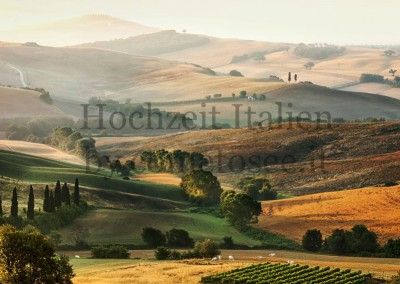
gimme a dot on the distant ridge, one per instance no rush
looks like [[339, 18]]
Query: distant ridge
[[77, 30]]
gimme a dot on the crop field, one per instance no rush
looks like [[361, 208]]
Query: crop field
[[276, 273]]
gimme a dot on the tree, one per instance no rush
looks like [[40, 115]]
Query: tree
[[202, 187], [130, 165], [227, 242], [240, 209], [243, 94], [30, 213], [257, 188], [1, 206], [364, 240], [289, 77], [392, 248], [65, 195], [52, 206], [76, 192], [295, 77], [46, 199], [207, 248], [263, 97], [235, 73], [29, 257], [57, 195], [179, 238], [259, 57], [153, 237], [312, 240], [392, 72], [389, 52], [309, 65], [14, 203], [340, 242]]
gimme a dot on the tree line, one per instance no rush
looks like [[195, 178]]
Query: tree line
[[357, 241], [176, 161]]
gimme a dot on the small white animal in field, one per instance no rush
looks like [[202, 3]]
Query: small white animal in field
[[260, 257], [77, 256], [272, 254], [290, 261], [214, 258], [231, 257], [219, 257]]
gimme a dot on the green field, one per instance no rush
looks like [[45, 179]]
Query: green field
[[30, 169], [108, 226]]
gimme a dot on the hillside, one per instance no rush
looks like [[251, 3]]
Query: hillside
[[376, 88], [76, 30], [199, 49], [80, 73], [377, 208], [24, 103], [354, 155], [40, 150]]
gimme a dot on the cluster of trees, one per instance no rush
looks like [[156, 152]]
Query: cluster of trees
[[318, 51], [376, 78], [359, 240], [34, 130], [204, 249], [201, 187], [176, 238], [62, 207], [240, 209], [114, 251], [51, 201], [29, 257], [243, 94], [257, 188], [68, 139], [61, 195], [176, 161], [122, 169], [258, 55], [235, 73], [44, 95]]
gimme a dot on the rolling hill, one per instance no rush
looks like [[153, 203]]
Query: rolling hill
[[300, 159], [80, 73], [377, 208], [76, 30], [24, 103], [199, 49]]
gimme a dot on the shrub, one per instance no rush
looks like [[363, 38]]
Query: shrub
[[179, 238], [116, 252], [162, 253], [312, 240], [365, 78], [207, 248], [153, 237], [235, 73]]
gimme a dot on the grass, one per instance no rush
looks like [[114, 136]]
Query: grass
[[108, 226], [32, 169], [376, 207], [191, 271]]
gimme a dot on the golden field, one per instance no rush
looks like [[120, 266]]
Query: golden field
[[376, 207]]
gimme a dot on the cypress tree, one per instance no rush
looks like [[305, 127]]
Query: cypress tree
[[30, 213], [52, 206], [65, 195], [1, 206], [14, 203], [76, 193], [57, 195], [46, 200]]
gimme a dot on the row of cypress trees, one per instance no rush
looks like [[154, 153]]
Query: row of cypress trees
[[52, 200]]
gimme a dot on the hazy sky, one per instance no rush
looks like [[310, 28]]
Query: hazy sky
[[336, 21]]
